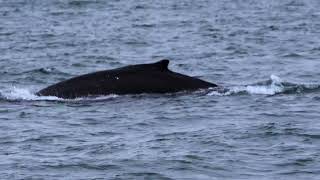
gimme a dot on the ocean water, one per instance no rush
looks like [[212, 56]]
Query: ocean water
[[263, 124]]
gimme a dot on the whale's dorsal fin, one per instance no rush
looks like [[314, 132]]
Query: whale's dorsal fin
[[162, 65]]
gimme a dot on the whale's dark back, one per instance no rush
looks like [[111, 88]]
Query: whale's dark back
[[133, 79]]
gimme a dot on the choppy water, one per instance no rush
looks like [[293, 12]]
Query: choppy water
[[265, 124]]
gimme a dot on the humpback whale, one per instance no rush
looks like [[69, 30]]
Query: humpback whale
[[132, 79]]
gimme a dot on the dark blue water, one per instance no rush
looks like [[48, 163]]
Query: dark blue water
[[265, 124]]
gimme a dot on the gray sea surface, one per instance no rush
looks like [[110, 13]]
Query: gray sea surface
[[264, 123]]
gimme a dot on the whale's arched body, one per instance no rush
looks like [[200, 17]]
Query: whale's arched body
[[132, 79]]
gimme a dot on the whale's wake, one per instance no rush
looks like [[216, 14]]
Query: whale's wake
[[272, 86], [16, 94]]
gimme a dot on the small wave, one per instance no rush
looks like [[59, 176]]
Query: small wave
[[81, 3], [275, 85], [292, 55], [42, 70], [45, 70]]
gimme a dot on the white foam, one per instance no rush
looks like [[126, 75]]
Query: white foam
[[96, 98], [274, 87], [15, 93]]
